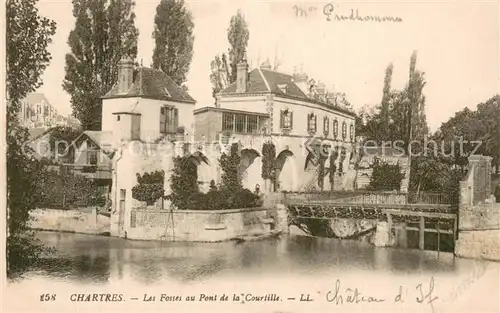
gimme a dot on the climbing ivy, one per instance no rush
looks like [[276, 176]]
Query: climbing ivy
[[229, 164], [183, 182], [268, 160]]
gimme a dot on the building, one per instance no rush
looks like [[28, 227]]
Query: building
[[37, 112], [297, 114], [145, 104]]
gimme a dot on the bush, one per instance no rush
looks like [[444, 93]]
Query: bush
[[149, 187], [497, 193], [386, 177]]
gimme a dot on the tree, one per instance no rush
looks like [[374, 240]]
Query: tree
[[220, 74], [386, 177], [229, 164], [27, 37], [183, 182], [104, 32], [149, 187], [238, 36], [173, 35], [386, 95]]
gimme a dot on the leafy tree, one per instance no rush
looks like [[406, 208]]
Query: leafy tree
[[220, 74], [104, 32], [224, 67], [229, 164], [27, 37], [183, 182], [173, 35], [238, 36], [385, 95], [386, 176], [149, 187]]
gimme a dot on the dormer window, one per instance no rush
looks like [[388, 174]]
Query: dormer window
[[282, 87], [335, 128], [326, 126], [286, 119], [311, 123]]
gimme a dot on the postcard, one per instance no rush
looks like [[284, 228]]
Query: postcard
[[250, 156]]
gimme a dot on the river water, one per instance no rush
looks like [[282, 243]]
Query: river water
[[284, 265]]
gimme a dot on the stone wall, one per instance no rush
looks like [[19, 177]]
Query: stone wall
[[479, 216], [206, 226], [86, 221]]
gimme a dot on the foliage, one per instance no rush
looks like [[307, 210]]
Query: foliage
[[173, 35], [229, 165], [27, 37], [333, 168], [386, 176], [224, 67], [183, 182], [481, 125], [104, 32], [149, 187], [223, 199], [497, 193], [62, 190], [238, 36], [220, 74], [391, 120], [268, 160]]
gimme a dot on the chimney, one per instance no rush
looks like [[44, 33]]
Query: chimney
[[300, 79], [242, 75], [266, 65], [125, 74], [320, 90]]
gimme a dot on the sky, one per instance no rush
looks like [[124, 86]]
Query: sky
[[457, 43]]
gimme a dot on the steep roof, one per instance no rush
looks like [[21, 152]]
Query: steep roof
[[35, 97], [103, 139], [153, 84], [263, 80]]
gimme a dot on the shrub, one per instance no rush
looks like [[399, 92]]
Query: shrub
[[497, 193], [183, 182], [386, 177], [149, 187]]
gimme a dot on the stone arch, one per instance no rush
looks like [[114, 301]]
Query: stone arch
[[286, 171], [250, 168]]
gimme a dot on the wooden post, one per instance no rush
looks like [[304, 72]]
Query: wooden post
[[421, 233], [438, 238], [389, 226]]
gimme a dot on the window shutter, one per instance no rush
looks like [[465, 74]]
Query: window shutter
[[291, 119], [315, 123], [176, 119], [282, 119]]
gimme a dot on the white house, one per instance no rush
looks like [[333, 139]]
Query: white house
[[146, 104], [294, 112]]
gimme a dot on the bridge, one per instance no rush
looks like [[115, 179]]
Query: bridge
[[424, 213]]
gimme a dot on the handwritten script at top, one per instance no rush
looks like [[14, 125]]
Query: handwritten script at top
[[332, 12]]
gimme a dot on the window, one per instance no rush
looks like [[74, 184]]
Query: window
[[335, 128], [253, 124], [92, 157], [351, 132], [136, 127], [344, 130], [282, 87], [240, 123], [118, 117], [227, 121], [326, 125], [286, 119], [169, 120], [311, 122]]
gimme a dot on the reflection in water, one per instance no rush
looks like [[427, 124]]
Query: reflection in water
[[95, 259]]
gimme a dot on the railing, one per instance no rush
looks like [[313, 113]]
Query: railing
[[374, 197]]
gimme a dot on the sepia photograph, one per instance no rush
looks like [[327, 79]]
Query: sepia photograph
[[250, 156]]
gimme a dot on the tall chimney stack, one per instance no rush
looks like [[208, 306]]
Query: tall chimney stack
[[125, 74], [242, 74]]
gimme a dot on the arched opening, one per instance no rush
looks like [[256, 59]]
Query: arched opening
[[286, 172], [250, 168]]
